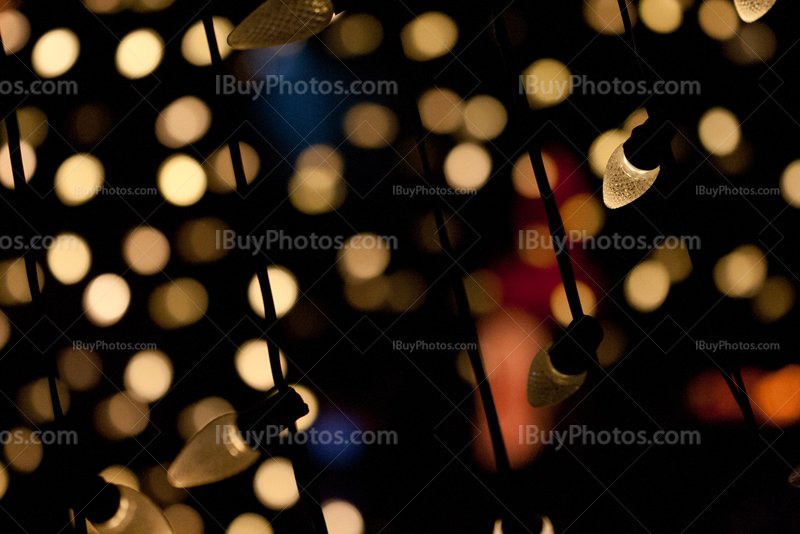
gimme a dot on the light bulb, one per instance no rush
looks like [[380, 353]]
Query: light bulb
[[218, 450], [547, 386], [215, 453], [623, 183], [136, 514], [750, 10], [280, 22]]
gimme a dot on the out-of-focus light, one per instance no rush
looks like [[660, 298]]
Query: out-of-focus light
[[285, 291], [34, 401], [440, 110], [121, 476], [583, 216], [120, 417], [741, 273], [250, 524], [14, 282], [428, 36], [5, 329], [647, 286], [3, 480], [637, 118], [774, 300], [28, 162], [603, 16], [321, 157], [69, 259], [613, 345], [181, 180], [16, 30], [80, 369], [314, 192], [485, 117], [79, 179], [559, 306], [197, 415], [146, 250], [363, 256], [750, 10], [524, 179], [720, 131], [407, 291], [341, 517], [537, 246], [676, 259], [547, 82], [467, 166], [790, 184], [106, 299], [90, 123], [184, 121], [196, 240], [33, 124], [55, 52], [547, 526], [369, 125], [274, 484], [366, 295], [23, 450], [184, 519], [219, 168], [776, 395], [178, 303], [661, 16], [718, 19], [355, 35], [305, 422], [602, 148], [252, 364], [194, 45], [484, 291], [139, 53], [148, 375]]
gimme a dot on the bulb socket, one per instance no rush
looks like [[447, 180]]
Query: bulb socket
[[98, 499], [282, 408], [576, 347], [644, 149]]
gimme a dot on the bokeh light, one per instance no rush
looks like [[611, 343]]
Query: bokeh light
[[603, 16], [547, 82], [429, 36], [146, 250], [601, 149], [106, 299], [467, 166], [181, 180], [198, 414], [80, 369], [14, 282], [718, 19], [16, 30], [524, 179], [250, 523], [559, 306], [252, 364], [182, 122], [719, 131], [148, 375], [661, 16], [69, 259], [774, 300], [741, 273], [274, 484], [647, 286], [178, 303], [219, 168], [285, 291], [23, 450], [355, 35], [371, 126], [440, 110], [196, 240], [790, 184], [194, 45], [341, 517], [363, 256], [29, 163], [139, 53], [79, 179], [55, 52], [485, 117], [305, 422], [120, 417]]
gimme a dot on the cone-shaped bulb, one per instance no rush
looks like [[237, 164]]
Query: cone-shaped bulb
[[750, 10], [136, 515], [215, 453], [280, 22], [548, 386], [623, 183]]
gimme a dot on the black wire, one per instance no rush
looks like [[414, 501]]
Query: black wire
[[303, 475], [534, 149]]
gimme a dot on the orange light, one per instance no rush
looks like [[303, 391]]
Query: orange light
[[777, 395]]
